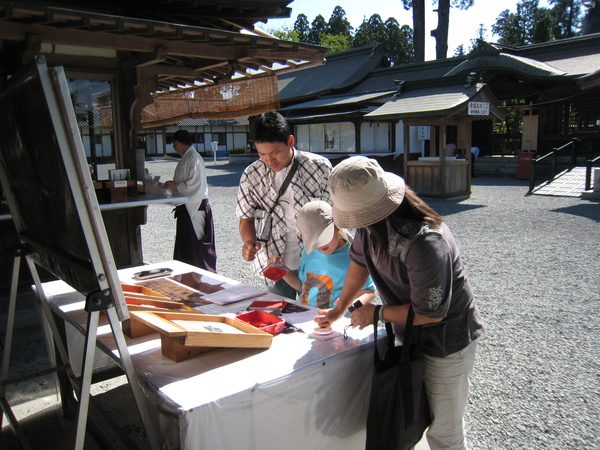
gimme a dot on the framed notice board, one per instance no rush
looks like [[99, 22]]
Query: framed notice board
[[47, 184]]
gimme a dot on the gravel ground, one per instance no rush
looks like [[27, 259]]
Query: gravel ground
[[533, 262]]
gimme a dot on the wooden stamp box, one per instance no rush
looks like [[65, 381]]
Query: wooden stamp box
[[184, 334]]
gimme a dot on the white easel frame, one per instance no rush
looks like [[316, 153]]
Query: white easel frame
[[108, 296]]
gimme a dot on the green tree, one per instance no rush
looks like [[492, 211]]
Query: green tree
[[567, 17], [529, 25], [396, 41], [302, 28], [481, 36], [459, 51], [371, 31], [336, 43], [286, 33], [318, 27], [338, 24], [398, 45]]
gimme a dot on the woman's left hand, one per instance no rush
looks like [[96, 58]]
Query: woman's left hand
[[362, 317]]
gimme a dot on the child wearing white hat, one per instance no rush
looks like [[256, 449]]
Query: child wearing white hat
[[322, 272]]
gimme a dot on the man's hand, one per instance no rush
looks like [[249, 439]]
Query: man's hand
[[249, 250]]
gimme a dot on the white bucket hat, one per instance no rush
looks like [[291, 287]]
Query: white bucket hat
[[363, 193], [315, 225]]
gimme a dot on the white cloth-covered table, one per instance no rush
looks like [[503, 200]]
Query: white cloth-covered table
[[299, 393]]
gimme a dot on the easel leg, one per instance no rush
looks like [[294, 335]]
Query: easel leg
[[127, 365], [12, 420], [86, 377]]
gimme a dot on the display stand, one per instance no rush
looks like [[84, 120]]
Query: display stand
[[48, 187]]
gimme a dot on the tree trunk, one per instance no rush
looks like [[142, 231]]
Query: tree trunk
[[441, 32], [419, 29]]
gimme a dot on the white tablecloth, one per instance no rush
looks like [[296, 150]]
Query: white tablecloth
[[300, 393]]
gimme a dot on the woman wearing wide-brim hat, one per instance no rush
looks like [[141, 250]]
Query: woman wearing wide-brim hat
[[412, 257]]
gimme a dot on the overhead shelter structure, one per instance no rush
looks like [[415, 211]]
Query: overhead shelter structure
[[432, 108], [165, 61]]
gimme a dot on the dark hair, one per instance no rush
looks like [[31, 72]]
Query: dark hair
[[183, 136], [412, 208], [271, 127]]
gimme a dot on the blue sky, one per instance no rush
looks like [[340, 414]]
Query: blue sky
[[463, 24]]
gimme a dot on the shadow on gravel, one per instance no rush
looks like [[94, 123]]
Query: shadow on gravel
[[225, 180], [446, 208], [499, 181], [591, 212], [227, 175]]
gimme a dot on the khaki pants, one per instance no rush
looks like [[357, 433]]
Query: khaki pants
[[447, 386]]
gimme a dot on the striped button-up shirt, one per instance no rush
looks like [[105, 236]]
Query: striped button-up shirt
[[256, 191]]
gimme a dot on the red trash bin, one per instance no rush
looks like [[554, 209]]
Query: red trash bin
[[524, 165]]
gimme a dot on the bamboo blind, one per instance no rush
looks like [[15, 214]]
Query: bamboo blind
[[245, 97]]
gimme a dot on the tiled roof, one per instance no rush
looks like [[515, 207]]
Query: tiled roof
[[503, 61], [341, 72], [437, 100], [384, 79], [338, 100]]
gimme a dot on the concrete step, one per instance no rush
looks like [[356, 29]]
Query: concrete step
[[496, 166]]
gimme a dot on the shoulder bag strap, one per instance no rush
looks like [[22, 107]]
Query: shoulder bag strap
[[390, 334], [288, 179]]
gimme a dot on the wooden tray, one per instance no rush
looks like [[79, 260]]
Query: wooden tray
[[134, 328], [174, 291], [182, 338], [134, 290]]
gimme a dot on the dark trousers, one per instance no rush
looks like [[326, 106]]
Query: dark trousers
[[188, 249]]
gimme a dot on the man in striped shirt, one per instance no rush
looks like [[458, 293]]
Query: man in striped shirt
[[259, 190]]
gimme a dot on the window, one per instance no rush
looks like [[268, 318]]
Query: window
[[92, 102], [221, 138]]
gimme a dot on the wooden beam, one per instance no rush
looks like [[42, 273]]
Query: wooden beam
[[85, 63], [245, 48], [14, 31], [145, 59]]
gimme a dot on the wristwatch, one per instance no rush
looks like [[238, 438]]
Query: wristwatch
[[357, 304]]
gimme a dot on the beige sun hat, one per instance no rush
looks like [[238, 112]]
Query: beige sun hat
[[363, 193], [315, 225]]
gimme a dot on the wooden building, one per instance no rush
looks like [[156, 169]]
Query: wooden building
[[133, 65], [365, 103]]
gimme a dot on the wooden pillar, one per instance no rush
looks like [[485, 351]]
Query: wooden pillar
[[442, 150], [468, 154], [406, 139], [357, 126], [123, 99], [130, 96]]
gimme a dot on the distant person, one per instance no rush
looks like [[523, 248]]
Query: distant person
[[324, 261], [195, 237], [262, 201], [450, 148], [474, 156]]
